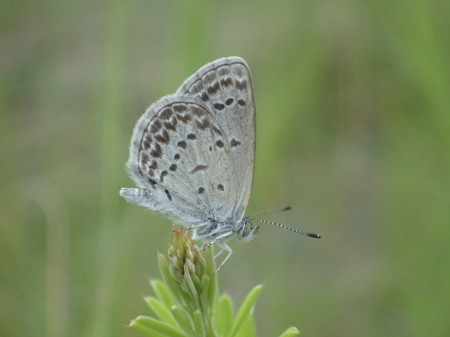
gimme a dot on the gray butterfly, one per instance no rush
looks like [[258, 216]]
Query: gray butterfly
[[192, 154]]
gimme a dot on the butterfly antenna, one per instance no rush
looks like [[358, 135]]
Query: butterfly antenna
[[287, 208], [311, 235]]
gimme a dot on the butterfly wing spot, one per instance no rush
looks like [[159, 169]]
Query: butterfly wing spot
[[226, 82], [166, 114], [241, 85], [202, 125], [220, 187], [180, 108], [156, 151], [155, 126], [191, 136], [219, 106], [204, 97], [163, 138], [171, 125], [241, 102], [199, 167], [173, 167], [152, 182], [147, 142], [210, 76], [197, 87], [219, 143], [144, 159], [182, 144], [184, 118], [229, 101], [162, 175], [168, 195], [235, 143], [198, 111], [212, 89], [176, 156], [201, 190]]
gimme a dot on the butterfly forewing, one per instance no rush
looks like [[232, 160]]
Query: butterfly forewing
[[180, 157], [225, 88]]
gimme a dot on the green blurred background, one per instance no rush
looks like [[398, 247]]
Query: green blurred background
[[353, 112]]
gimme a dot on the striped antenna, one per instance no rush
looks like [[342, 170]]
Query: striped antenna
[[311, 235], [287, 208]]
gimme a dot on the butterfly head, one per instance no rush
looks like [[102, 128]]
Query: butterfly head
[[245, 230]]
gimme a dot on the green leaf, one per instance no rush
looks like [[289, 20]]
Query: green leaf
[[161, 311], [245, 309], [248, 327], [212, 277], [170, 284], [159, 326], [190, 285], [162, 293], [198, 322], [291, 332], [184, 320], [223, 319], [204, 300], [145, 330]]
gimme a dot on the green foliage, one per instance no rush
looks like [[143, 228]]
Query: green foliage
[[187, 301]]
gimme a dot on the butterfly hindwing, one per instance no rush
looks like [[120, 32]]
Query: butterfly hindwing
[[180, 159]]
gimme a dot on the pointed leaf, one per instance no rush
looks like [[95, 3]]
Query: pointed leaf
[[162, 293], [248, 327], [159, 326], [198, 322], [245, 309], [204, 300], [211, 272], [184, 320], [190, 284], [168, 281], [145, 330], [223, 318], [161, 311], [291, 332]]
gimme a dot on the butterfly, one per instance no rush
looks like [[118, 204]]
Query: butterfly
[[192, 155]]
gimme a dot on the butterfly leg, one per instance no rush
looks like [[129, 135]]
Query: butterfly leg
[[219, 253], [224, 247], [208, 246], [213, 241], [192, 227]]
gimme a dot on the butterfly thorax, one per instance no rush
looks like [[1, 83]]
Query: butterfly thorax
[[213, 230]]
